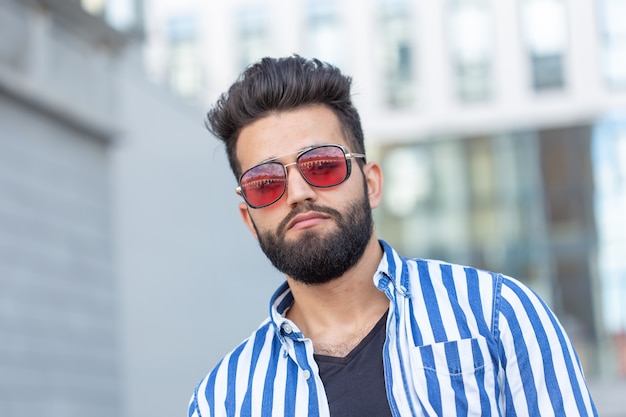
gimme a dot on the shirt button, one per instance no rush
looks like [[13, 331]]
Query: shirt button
[[306, 374], [287, 328]]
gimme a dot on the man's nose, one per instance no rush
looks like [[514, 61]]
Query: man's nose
[[298, 189]]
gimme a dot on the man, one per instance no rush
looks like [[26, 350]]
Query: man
[[357, 330]]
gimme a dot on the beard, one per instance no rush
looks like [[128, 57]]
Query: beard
[[316, 258]]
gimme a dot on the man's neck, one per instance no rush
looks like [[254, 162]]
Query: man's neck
[[337, 315]]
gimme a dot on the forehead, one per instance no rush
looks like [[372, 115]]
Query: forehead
[[282, 133]]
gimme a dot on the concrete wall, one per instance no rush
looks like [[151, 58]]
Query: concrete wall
[[59, 353], [59, 335]]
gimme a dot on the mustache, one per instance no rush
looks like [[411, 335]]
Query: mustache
[[306, 208]]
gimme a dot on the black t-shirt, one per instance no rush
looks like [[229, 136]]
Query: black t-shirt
[[355, 384]]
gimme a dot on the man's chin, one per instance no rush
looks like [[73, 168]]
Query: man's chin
[[314, 284]]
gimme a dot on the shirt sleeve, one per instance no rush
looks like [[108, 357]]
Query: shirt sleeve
[[542, 375]]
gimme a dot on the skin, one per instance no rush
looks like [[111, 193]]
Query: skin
[[338, 314]]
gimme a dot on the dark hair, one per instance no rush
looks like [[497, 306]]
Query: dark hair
[[282, 84]]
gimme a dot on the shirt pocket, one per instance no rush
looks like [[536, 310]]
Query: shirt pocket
[[455, 378]]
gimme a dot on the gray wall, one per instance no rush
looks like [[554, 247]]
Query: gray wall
[[193, 281], [58, 299], [59, 333]]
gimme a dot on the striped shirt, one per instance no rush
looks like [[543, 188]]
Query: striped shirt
[[460, 342]]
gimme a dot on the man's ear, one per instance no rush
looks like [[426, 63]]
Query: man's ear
[[374, 179], [244, 211]]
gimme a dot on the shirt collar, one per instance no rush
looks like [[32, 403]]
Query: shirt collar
[[279, 304], [392, 274]]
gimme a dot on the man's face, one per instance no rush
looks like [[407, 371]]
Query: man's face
[[311, 234]]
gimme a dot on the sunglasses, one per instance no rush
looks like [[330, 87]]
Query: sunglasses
[[321, 166]]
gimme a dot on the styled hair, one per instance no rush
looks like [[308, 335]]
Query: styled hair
[[282, 84]]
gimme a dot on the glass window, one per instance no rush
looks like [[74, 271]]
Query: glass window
[[567, 182], [123, 14], [613, 35], [324, 35], [396, 52], [408, 174], [609, 160], [181, 29], [253, 35], [185, 68], [544, 26], [463, 200], [470, 29]]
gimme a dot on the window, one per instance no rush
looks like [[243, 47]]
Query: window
[[544, 29], [185, 70], [470, 32], [324, 36], [409, 180], [396, 52], [471, 200], [613, 36], [609, 160], [253, 35]]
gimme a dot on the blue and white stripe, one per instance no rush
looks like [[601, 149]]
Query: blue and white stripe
[[460, 342]]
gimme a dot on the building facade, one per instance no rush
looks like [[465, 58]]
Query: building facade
[[59, 304], [499, 124]]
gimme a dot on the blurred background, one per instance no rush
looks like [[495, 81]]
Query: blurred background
[[125, 271]]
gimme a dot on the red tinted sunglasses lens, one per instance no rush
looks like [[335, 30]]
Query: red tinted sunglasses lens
[[263, 184], [325, 166]]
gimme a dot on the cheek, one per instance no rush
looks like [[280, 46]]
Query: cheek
[[260, 223]]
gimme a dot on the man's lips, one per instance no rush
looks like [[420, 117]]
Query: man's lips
[[304, 220]]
